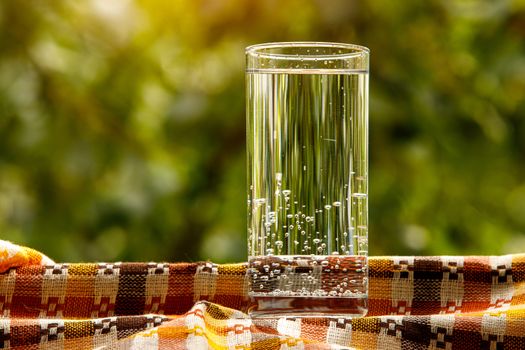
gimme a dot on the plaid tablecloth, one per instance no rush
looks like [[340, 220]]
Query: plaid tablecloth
[[446, 302]]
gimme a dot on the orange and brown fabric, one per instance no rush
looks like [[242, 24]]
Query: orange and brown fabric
[[447, 302]]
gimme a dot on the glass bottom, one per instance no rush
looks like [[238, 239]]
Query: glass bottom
[[307, 286], [308, 307]]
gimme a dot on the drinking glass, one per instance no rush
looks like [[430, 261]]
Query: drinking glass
[[307, 147]]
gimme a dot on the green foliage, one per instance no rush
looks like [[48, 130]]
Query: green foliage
[[122, 123]]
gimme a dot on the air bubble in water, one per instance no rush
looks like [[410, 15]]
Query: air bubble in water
[[286, 192], [328, 207], [336, 204]]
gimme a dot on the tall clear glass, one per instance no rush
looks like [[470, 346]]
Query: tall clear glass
[[307, 145]]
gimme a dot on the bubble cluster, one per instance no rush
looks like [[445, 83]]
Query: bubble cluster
[[284, 221], [301, 276]]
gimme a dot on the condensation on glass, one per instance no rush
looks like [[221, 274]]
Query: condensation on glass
[[307, 146]]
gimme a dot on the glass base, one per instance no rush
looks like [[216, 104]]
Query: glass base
[[308, 307]]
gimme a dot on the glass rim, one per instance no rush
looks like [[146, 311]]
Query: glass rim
[[354, 51]]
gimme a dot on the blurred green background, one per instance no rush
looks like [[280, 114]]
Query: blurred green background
[[122, 127]]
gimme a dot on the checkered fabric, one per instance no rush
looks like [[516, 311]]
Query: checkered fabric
[[446, 302]]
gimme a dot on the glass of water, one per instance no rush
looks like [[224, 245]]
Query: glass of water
[[307, 145]]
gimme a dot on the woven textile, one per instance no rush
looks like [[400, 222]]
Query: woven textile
[[415, 303]]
